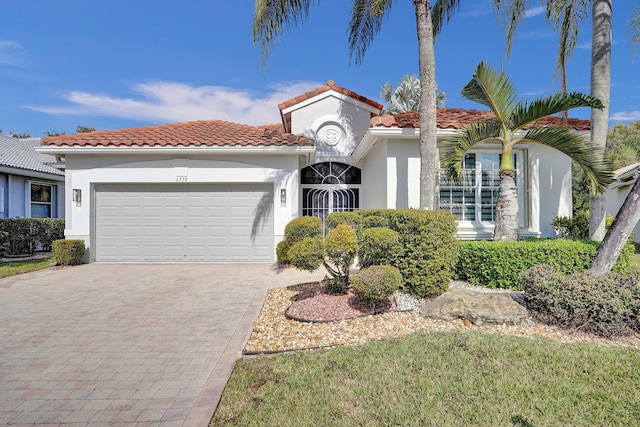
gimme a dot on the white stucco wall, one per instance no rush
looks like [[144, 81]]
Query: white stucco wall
[[340, 113], [550, 173], [375, 180], [546, 184], [82, 171]]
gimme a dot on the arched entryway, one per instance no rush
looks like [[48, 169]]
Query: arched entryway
[[330, 187]]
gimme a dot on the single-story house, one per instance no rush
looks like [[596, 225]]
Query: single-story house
[[31, 186], [617, 192], [223, 192]]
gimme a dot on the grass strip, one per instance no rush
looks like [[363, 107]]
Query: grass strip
[[440, 378], [19, 267]]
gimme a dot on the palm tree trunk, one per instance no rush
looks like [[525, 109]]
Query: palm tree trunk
[[600, 88], [507, 223], [428, 138], [618, 234]]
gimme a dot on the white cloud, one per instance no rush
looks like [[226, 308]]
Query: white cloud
[[624, 116], [162, 101], [536, 93], [534, 11], [11, 53]]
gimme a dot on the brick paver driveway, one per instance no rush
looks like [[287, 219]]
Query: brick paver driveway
[[103, 344]]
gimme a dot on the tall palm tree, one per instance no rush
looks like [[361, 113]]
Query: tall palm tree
[[516, 122], [273, 17]]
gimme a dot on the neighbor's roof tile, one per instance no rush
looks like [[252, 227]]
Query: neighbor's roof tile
[[331, 85], [454, 118], [205, 133], [21, 153]]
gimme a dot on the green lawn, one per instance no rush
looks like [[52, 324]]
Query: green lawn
[[439, 379], [18, 267]]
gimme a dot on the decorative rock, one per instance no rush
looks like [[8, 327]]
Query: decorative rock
[[479, 308]]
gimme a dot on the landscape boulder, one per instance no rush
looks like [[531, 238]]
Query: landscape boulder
[[480, 308]]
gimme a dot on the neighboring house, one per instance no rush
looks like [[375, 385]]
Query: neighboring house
[[219, 191], [30, 185], [618, 191]]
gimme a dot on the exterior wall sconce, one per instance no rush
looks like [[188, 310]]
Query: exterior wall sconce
[[283, 197], [77, 196]]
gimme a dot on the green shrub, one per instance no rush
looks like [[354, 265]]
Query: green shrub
[[499, 264], [302, 227], [341, 247], [282, 252], [350, 218], [374, 284], [308, 254], [379, 246], [25, 235], [430, 249], [4, 242], [577, 226], [374, 221], [604, 305], [68, 252]]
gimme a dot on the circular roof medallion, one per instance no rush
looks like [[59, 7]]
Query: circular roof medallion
[[331, 135]]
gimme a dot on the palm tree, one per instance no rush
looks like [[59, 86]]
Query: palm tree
[[406, 96], [273, 17], [515, 122]]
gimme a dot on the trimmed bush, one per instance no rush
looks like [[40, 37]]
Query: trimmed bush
[[282, 252], [308, 254], [603, 305], [379, 246], [374, 284], [302, 227], [499, 264], [430, 249], [349, 218], [341, 247], [374, 221], [25, 235], [68, 252]]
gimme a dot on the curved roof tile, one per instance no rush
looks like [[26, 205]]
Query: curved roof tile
[[204, 133]]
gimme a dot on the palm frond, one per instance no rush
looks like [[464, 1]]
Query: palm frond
[[566, 17], [454, 148], [514, 13], [366, 20], [589, 157], [526, 113], [634, 27], [272, 18], [492, 89], [442, 12]]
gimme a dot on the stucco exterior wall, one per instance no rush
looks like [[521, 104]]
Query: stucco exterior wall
[[375, 180], [547, 177], [314, 119], [15, 197], [84, 171]]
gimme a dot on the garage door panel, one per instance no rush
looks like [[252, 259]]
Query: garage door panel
[[183, 223]]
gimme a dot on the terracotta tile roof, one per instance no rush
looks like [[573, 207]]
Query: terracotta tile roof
[[331, 85], [209, 133], [454, 118]]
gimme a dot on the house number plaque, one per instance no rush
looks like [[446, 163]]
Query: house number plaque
[[181, 178]]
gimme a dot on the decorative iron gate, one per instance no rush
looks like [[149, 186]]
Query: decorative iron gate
[[330, 187]]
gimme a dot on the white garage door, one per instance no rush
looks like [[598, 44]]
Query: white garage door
[[195, 222]]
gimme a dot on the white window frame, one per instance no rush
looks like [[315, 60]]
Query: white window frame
[[51, 203], [521, 173]]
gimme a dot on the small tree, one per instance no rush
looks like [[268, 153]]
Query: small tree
[[336, 252]]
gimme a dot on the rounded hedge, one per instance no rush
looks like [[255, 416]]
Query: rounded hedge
[[374, 284], [307, 254], [379, 246], [302, 227]]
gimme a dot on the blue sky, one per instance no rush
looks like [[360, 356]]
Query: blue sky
[[115, 64]]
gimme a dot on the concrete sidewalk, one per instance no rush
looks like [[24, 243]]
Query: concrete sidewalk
[[126, 344]]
